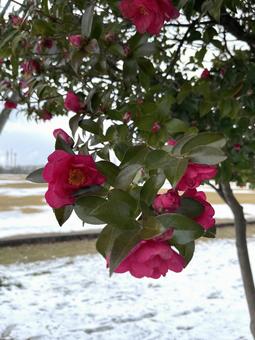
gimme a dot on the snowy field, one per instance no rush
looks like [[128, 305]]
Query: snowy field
[[26, 218], [74, 299]]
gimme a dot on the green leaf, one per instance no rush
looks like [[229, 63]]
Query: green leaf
[[205, 138], [86, 207], [151, 228], [106, 239], [122, 246], [176, 170], [135, 154], [178, 221], [120, 209], [126, 176], [157, 159], [151, 188], [36, 176], [210, 233], [186, 250], [87, 21], [190, 207], [185, 236], [146, 49], [109, 170], [176, 126], [206, 155], [62, 214], [90, 126], [62, 145]]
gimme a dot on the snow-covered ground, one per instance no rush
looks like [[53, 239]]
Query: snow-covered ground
[[74, 299], [41, 219]]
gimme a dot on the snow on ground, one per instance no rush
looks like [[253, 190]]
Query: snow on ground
[[42, 219], [18, 223], [74, 299]]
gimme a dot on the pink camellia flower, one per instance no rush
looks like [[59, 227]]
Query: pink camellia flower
[[237, 147], [205, 74], [66, 173], [10, 105], [62, 134], [206, 219], [195, 174], [148, 15], [16, 20], [44, 43], [75, 40], [126, 117], [72, 102], [46, 115], [152, 258], [155, 127], [30, 66], [171, 142], [166, 203], [23, 84]]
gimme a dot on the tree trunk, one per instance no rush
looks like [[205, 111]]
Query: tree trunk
[[242, 251]]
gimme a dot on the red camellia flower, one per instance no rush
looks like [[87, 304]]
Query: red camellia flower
[[205, 74], [30, 66], [66, 173], [148, 15], [237, 147], [155, 127], [206, 219], [171, 142], [75, 40], [46, 115], [195, 174], [126, 117], [72, 102], [62, 134], [166, 203], [152, 258], [10, 105], [16, 21]]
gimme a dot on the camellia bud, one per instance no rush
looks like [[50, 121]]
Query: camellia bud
[[62, 134], [16, 20], [110, 37], [171, 142], [205, 74], [126, 50], [126, 117], [155, 127], [237, 147], [75, 40], [10, 105], [46, 115]]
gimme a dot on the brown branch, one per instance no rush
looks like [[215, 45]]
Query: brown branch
[[242, 251]]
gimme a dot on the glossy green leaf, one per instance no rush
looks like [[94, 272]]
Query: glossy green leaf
[[186, 250], [87, 21], [176, 169], [151, 188], [126, 176], [212, 139], [190, 207], [36, 176], [207, 155], [86, 208], [62, 214], [122, 245]]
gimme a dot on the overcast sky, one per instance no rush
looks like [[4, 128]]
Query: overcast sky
[[31, 141]]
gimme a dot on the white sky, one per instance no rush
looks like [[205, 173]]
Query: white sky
[[31, 141]]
